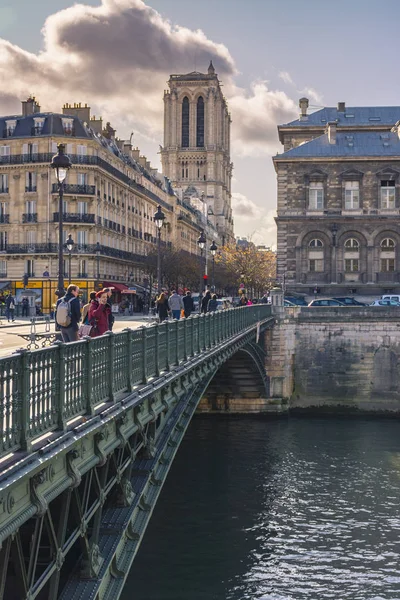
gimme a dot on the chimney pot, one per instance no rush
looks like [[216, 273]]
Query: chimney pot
[[303, 104], [341, 107]]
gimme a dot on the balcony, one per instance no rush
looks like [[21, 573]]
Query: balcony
[[76, 189], [29, 218], [4, 190], [75, 218], [82, 275], [30, 188], [30, 249], [4, 219]]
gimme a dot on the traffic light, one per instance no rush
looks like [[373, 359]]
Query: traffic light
[[25, 280]]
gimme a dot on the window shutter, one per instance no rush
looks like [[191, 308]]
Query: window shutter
[[25, 149], [35, 148], [69, 148], [54, 148]]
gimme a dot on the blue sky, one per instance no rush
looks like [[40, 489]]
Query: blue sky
[[329, 51]]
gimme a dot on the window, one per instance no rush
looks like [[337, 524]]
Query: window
[[30, 150], [200, 123], [351, 244], [10, 127], [3, 268], [185, 122], [81, 150], [5, 151], [68, 125], [30, 181], [4, 183], [30, 268], [38, 125], [82, 268], [388, 255], [388, 194], [352, 195], [31, 238], [387, 244], [316, 196], [82, 208], [3, 241], [387, 265], [82, 178], [82, 238], [316, 265], [351, 265], [3, 209], [30, 206], [316, 244]]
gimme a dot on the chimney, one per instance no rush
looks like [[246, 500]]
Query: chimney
[[303, 104], [332, 126], [341, 107], [30, 106], [96, 124], [135, 154], [82, 112], [142, 161]]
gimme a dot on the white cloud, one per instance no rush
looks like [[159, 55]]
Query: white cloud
[[285, 76], [244, 208]]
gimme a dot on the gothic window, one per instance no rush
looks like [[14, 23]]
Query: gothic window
[[388, 256], [351, 255], [316, 195], [200, 123], [315, 256], [185, 122], [352, 195], [388, 194]]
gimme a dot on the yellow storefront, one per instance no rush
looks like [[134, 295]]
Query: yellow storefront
[[46, 290]]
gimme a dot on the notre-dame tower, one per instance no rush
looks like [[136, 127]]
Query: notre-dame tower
[[196, 151]]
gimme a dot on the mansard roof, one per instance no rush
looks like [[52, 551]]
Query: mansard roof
[[359, 115], [52, 126], [365, 144]]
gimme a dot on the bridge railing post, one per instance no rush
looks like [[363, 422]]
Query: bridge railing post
[[192, 349], [144, 355], [167, 336], [176, 325], [199, 327], [111, 366], [61, 422], [89, 375], [156, 351], [26, 441], [129, 349], [185, 354]]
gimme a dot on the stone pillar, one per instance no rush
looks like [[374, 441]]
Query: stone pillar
[[277, 301], [370, 265]]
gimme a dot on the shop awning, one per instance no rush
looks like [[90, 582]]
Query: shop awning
[[5, 284], [118, 287]]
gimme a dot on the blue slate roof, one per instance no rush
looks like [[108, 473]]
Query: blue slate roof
[[359, 115], [52, 126], [355, 144]]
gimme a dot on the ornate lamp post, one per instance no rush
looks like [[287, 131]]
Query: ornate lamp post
[[60, 163], [201, 242], [159, 218], [70, 246], [213, 250]]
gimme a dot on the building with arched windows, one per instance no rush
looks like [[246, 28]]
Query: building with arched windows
[[196, 151], [338, 213]]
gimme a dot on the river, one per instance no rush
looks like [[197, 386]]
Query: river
[[286, 509]]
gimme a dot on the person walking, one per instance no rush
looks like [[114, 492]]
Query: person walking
[[162, 307], [212, 303], [68, 314], [205, 301], [99, 314], [25, 306], [243, 300], [10, 306], [176, 305], [188, 304], [85, 309]]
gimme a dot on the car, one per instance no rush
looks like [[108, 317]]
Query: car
[[288, 303], [394, 297], [297, 300], [326, 302], [348, 301], [385, 303]]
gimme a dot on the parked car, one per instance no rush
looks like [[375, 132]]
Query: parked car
[[348, 301], [288, 303], [297, 300], [394, 297], [385, 303], [326, 302]]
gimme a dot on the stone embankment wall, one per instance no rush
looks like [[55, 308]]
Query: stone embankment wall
[[341, 359]]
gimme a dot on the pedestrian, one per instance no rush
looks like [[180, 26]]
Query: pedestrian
[[68, 314], [111, 317], [162, 307], [205, 301], [85, 309], [99, 314], [188, 304], [10, 306], [25, 306], [176, 305], [212, 303], [264, 299], [243, 300]]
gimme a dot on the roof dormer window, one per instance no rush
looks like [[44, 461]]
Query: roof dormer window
[[38, 123], [10, 127], [68, 126]]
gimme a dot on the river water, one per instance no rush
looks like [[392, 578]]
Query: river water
[[276, 510]]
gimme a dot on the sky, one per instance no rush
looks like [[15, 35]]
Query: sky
[[117, 56]]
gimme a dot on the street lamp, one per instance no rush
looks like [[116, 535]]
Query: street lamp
[[213, 250], [201, 242], [159, 221], [70, 246], [98, 260], [60, 163]]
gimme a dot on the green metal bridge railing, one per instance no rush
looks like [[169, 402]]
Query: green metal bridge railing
[[40, 391]]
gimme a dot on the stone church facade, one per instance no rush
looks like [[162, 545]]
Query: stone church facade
[[196, 151], [338, 212]]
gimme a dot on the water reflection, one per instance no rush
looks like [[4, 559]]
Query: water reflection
[[276, 510]]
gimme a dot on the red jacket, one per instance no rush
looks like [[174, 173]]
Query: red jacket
[[99, 313]]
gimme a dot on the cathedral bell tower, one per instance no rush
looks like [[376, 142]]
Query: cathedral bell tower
[[196, 151]]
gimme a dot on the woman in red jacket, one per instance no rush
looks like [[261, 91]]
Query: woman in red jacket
[[99, 314]]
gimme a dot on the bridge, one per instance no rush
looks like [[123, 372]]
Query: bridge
[[88, 433]]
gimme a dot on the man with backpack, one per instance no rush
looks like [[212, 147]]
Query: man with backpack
[[68, 314]]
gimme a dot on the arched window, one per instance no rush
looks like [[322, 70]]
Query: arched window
[[200, 123], [388, 255], [316, 256], [351, 243], [185, 122], [316, 244], [351, 255]]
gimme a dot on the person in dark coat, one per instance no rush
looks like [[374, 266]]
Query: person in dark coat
[[205, 301], [99, 314], [212, 304], [70, 333], [10, 305], [162, 307], [188, 304]]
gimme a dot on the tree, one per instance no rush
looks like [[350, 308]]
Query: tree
[[255, 269]]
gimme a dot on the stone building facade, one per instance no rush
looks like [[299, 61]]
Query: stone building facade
[[110, 197], [196, 151], [338, 209]]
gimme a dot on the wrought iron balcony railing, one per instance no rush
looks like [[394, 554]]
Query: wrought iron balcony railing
[[75, 217], [4, 190], [4, 219], [72, 188], [29, 218], [30, 188]]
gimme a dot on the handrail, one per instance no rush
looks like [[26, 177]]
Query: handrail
[[40, 391]]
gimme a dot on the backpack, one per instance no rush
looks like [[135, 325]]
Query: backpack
[[63, 314]]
